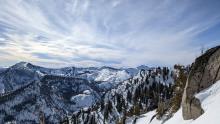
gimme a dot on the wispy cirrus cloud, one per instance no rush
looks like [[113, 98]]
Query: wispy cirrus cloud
[[106, 32]]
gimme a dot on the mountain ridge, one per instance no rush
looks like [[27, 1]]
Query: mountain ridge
[[59, 93]]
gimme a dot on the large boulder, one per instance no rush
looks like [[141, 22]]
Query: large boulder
[[205, 71]]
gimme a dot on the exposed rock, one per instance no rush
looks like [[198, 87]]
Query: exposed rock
[[205, 72]]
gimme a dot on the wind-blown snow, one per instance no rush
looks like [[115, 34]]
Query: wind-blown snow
[[210, 101]]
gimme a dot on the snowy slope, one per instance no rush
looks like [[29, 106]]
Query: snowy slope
[[210, 101], [112, 76], [146, 118]]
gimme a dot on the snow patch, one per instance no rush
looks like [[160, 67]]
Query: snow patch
[[83, 100]]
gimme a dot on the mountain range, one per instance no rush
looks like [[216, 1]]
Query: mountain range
[[28, 90], [31, 94]]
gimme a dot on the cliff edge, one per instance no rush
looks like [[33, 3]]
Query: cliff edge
[[205, 71]]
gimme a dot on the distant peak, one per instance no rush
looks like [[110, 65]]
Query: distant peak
[[21, 64], [142, 67]]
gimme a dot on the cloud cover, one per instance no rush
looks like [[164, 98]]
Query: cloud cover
[[60, 33]]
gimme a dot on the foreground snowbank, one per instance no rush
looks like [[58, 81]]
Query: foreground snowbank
[[210, 100]]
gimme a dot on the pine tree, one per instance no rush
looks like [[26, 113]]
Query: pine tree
[[129, 96], [136, 110], [178, 88]]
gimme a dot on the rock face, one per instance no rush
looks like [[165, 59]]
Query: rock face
[[205, 72]]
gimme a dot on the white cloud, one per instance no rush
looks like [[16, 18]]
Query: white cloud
[[103, 32], [2, 39]]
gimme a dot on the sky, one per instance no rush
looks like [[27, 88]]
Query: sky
[[119, 33]]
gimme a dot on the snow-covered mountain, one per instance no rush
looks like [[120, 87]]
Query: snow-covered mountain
[[32, 94], [22, 73], [129, 98], [32, 91]]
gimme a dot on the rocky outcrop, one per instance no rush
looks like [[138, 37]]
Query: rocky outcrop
[[204, 72]]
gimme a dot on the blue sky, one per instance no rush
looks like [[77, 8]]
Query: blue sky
[[121, 33]]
